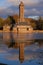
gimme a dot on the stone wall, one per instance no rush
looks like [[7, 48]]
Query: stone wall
[[18, 29], [22, 29], [6, 28]]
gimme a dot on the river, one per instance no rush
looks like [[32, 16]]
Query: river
[[21, 49]]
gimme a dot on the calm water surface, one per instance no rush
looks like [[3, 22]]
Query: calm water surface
[[21, 49]]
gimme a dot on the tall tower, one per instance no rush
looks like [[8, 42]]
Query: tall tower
[[21, 12]]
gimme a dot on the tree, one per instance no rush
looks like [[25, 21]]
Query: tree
[[1, 23], [12, 22], [16, 17], [40, 23], [33, 24], [7, 21]]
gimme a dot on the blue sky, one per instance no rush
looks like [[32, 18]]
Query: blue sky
[[10, 7]]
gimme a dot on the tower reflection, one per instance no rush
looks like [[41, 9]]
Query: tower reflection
[[21, 52], [19, 43]]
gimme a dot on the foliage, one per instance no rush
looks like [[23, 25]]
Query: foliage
[[1, 22], [33, 24], [16, 17], [7, 21], [40, 23]]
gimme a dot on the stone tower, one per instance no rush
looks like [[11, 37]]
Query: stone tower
[[21, 12]]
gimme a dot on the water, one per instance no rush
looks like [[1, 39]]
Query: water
[[21, 49]]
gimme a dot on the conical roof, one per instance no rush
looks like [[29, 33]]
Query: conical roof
[[21, 3]]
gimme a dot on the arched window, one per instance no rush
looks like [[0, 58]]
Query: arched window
[[17, 29], [27, 29]]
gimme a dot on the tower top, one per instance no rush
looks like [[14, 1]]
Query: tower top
[[21, 3]]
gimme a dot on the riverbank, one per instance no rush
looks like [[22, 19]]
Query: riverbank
[[33, 31]]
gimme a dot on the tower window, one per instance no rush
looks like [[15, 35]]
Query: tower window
[[27, 28], [17, 29]]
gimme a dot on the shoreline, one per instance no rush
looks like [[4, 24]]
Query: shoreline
[[34, 31]]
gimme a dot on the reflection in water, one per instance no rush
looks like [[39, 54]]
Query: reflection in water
[[12, 42], [2, 64], [6, 37], [21, 52], [29, 47], [41, 43]]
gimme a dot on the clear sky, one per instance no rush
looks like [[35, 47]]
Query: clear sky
[[10, 7]]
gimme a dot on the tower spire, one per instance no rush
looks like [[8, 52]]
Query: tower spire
[[21, 11]]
